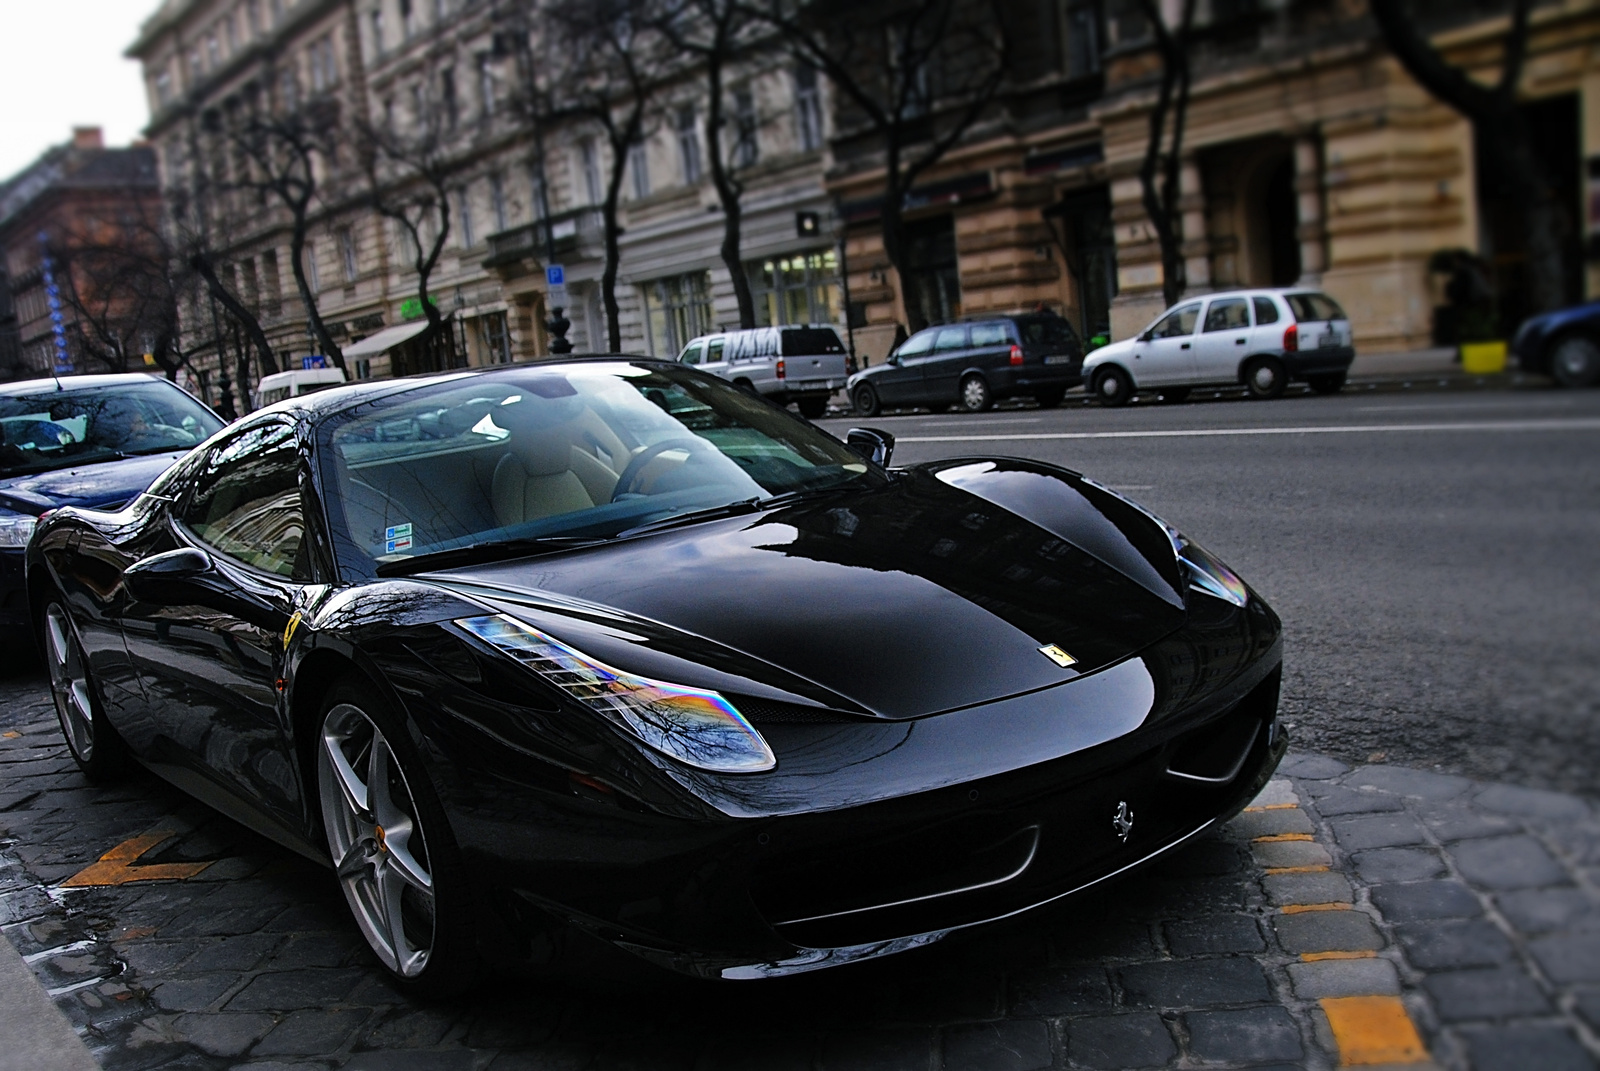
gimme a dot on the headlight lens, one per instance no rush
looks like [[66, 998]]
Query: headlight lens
[[1207, 573], [15, 529], [698, 728]]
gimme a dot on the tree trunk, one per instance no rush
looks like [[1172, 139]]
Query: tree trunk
[[608, 277], [729, 192], [297, 250], [258, 338]]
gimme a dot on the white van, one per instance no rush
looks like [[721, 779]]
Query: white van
[[281, 385]]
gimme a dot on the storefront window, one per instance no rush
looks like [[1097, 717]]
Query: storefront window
[[496, 338], [798, 289], [677, 309]]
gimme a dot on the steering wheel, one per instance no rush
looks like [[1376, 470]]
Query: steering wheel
[[642, 460]]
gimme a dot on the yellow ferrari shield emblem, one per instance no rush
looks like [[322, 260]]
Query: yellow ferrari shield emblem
[[288, 633], [1058, 656]]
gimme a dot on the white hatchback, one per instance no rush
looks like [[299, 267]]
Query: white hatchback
[[1260, 338]]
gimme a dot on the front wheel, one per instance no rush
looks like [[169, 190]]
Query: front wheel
[[1575, 361], [1332, 383], [865, 400], [1113, 387], [812, 408], [975, 396], [95, 745], [1265, 378], [396, 861]]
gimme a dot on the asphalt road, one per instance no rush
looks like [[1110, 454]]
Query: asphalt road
[[1433, 555]]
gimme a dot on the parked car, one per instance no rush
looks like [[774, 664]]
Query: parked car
[[1564, 344], [92, 441], [800, 363], [974, 364], [1260, 338], [606, 643], [292, 384]]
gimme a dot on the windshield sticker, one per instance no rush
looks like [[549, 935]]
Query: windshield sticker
[[397, 538]]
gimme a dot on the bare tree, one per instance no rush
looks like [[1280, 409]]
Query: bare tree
[[716, 34], [604, 61], [1163, 158], [918, 79], [1504, 140]]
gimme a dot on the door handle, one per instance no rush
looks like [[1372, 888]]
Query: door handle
[[1184, 346], [1238, 342]]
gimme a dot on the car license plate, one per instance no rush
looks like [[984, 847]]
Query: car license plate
[[1062, 358], [1328, 339], [813, 384]]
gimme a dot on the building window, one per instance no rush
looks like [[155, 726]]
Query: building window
[[541, 195], [589, 165], [347, 253], [324, 67], [213, 51], [164, 88], [807, 108], [447, 96], [746, 149], [799, 289], [363, 368], [252, 16], [486, 90], [1081, 48], [689, 145], [288, 90], [377, 31], [496, 338], [677, 309], [408, 22], [464, 210], [639, 168], [497, 200], [441, 8]]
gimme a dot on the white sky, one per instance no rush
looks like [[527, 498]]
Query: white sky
[[61, 66]]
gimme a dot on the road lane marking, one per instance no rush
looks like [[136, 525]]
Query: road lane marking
[[1373, 1030], [1575, 424], [116, 866]]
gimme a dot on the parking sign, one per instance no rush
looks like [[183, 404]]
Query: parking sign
[[555, 275]]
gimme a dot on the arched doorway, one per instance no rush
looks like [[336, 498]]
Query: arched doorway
[[1252, 213]]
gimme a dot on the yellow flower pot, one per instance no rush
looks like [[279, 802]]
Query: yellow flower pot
[[1483, 358]]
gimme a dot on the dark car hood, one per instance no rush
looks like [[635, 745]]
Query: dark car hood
[[916, 598], [107, 483]]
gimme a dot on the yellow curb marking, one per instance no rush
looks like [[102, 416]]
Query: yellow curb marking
[[11, 734], [1318, 957], [1280, 838], [1373, 1030], [1295, 909], [116, 866], [1297, 870], [1271, 807]]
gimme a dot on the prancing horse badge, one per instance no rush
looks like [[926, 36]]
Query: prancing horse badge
[[1122, 821], [1057, 655]]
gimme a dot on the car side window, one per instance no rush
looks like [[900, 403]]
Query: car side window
[[692, 352], [714, 351], [1177, 323], [1228, 314], [246, 501], [951, 338], [1266, 310], [989, 335], [917, 345]]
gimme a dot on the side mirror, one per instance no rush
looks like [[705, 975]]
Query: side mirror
[[874, 444], [1146, 337], [894, 359], [174, 578]]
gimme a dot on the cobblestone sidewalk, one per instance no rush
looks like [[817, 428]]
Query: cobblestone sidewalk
[[1376, 916]]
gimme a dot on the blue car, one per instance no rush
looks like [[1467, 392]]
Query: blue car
[[90, 441], [1564, 344]]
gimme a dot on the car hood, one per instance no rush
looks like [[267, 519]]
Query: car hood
[[1111, 350], [106, 483], [919, 597]]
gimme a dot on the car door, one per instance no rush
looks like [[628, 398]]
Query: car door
[[1224, 340], [901, 382], [716, 356], [207, 617], [941, 370], [1165, 353]]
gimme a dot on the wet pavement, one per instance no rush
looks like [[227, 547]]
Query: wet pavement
[[1370, 916]]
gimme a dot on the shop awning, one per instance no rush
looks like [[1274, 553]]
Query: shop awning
[[387, 339]]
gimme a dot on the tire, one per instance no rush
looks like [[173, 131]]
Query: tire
[[865, 400], [1265, 377], [1332, 383], [94, 743], [392, 849], [1575, 361], [812, 408], [1174, 395], [1050, 397], [975, 396], [1113, 387]]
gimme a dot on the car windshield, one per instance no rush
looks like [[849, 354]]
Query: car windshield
[[560, 453], [58, 428], [1314, 307]]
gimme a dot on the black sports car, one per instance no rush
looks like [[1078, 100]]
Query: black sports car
[[610, 644]]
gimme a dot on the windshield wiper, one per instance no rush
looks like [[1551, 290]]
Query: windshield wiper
[[491, 550], [732, 509]]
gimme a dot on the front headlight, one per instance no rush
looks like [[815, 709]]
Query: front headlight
[[1207, 573], [16, 528], [696, 727]]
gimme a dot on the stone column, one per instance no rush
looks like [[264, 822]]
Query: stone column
[[1196, 236], [1311, 230]]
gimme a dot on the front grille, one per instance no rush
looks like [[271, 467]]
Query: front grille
[[776, 712]]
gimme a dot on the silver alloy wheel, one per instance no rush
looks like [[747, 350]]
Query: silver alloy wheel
[[1265, 377], [974, 393], [69, 682], [376, 840], [1576, 361]]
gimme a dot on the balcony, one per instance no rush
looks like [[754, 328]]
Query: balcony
[[578, 234]]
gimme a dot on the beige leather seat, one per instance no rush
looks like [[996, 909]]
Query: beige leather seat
[[545, 473]]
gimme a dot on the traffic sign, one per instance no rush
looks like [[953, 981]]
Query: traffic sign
[[555, 275]]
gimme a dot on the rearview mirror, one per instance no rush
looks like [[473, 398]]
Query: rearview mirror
[[874, 444]]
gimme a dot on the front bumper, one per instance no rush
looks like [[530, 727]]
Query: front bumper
[[1326, 360]]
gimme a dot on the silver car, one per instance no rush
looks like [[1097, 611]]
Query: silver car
[[797, 363], [1260, 338]]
